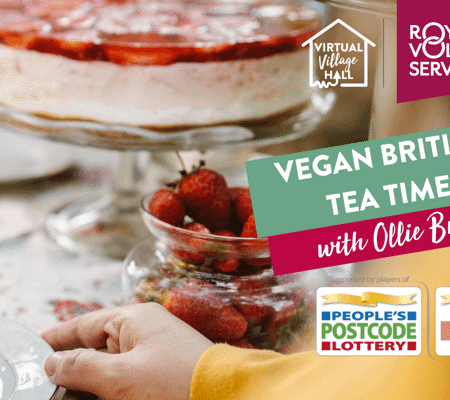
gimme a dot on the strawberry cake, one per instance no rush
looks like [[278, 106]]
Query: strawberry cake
[[158, 64]]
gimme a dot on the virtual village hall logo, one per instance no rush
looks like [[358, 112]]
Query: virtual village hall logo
[[338, 61]]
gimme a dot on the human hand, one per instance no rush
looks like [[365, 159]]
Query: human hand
[[151, 354]]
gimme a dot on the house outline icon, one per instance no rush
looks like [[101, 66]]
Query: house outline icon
[[311, 58]]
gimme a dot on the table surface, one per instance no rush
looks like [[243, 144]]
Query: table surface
[[40, 283]]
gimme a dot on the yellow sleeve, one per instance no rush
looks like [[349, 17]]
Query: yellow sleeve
[[228, 373]]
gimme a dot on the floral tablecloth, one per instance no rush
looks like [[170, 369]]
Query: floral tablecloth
[[41, 285]]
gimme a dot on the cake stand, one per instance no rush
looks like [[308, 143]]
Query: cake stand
[[110, 224]]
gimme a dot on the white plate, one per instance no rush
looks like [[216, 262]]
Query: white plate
[[23, 158], [22, 358]]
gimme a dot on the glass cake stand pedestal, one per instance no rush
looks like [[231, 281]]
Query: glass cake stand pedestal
[[110, 224]]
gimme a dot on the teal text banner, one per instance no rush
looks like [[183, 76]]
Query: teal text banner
[[350, 183]]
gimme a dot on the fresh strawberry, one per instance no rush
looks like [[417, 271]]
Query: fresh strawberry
[[249, 229], [242, 343], [207, 198], [250, 296], [235, 223], [235, 191], [252, 285], [243, 205], [197, 305], [226, 266], [282, 321], [191, 257], [167, 206], [253, 308], [280, 326], [225, 232], [230, 264], [197, 227]]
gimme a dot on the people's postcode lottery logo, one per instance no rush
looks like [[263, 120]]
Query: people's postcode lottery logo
[[378, 321]]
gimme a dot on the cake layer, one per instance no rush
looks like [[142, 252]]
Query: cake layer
[[180, 94]]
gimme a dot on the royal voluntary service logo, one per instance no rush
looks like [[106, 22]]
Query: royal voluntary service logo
[[423, 50], [337, 62]]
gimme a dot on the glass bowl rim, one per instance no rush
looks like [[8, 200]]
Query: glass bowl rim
[[184, 232]]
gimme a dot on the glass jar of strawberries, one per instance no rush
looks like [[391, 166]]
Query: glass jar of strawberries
[[208, 268]]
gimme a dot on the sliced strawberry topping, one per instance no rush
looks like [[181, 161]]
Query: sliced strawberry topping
[[12, 3], [19, 30], [153, 32], [19, 23], [132, 55], [45, 8]]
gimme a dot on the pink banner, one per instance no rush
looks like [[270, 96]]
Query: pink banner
[[360, 241], [423, 49]]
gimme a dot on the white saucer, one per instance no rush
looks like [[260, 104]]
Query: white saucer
[[22, 358], [23, 158]]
